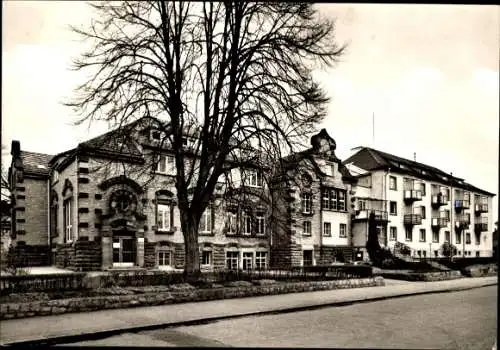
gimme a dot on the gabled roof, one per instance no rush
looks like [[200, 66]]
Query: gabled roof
[[36, 163], [371, 159]]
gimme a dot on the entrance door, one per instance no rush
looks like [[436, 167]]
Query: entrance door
[[124, 251]]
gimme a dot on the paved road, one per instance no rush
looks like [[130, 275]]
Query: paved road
[[457, 320]]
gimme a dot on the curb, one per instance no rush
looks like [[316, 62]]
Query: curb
[[68, 339]]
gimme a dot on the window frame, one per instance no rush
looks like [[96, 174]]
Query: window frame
[[170, 257], [260, 223], [67, 219], [306, 203], [424, 239], [391, 231], [391, 180], [435, 236], [326, 225], [210, 258], [309, 224], [343, 230], [408, 235], [169, 209], [206, 219], [247, 256], [234, 255], [395, 213], [169, 166], [259, 257]]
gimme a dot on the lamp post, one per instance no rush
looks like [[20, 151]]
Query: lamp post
[[430, 250]]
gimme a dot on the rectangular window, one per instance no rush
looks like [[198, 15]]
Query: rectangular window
[[393, 185], [206, 258], [253, 178], [307, 258], [333, 199], [166, 165], [342, 230], [393, 233], [206, 221], [260, 224], [422, 235], [232, 260], [327, 229], [424, 252], [67, 220], [164, 258], [458, 238], [306, 203], [341, 201], [435, 237], [325, 199], [422, 211], [307, 228], [231, 222], [393, 208], [163, 218], [436, 253], [447, 236], [361, 205], [247, 223], [247, 260], [467, 238], [409, 235], [422, 188], [260, 260]]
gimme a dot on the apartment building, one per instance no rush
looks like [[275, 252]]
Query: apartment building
[[107, 204], [418, 205], [311, 197]]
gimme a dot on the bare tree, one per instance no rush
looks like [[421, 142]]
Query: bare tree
[[237, 72]]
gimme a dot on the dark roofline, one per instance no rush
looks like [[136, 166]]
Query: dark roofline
[[433, 175]]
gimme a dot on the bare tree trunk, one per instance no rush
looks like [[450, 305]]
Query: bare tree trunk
[[189, 225]]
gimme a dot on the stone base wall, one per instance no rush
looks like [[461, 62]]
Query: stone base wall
[[149, 255], [327, 255], [280, 258], [420, 276], [219, 257], [65, 255], [87, 255], [179, 256], [24, 255], [52, 307]]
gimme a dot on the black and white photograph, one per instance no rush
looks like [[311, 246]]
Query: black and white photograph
[[249, 174]]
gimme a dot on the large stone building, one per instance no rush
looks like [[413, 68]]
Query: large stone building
[[111, 203], [107, 204], [419, 205]]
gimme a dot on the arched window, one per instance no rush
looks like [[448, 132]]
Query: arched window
[[54, 206], [68, 211]]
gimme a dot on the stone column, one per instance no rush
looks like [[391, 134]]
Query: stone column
[[140, 248], [107, 248]]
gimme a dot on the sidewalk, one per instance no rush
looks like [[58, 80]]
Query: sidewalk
[[81, 326]]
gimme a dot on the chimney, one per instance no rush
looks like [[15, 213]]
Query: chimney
[[15, 149], [414, 156]]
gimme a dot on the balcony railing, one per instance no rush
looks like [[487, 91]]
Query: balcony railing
[[439, 222], [380, 215], [412, 195], [413, 219], [462, 221], [481, 208], [481, 226], [462, 204], [438, 200]]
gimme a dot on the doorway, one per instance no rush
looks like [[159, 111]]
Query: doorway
[[124, 250]]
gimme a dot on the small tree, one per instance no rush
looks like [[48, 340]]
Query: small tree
[[448, 250]]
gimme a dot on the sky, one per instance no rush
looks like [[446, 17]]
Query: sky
[[417, 80]]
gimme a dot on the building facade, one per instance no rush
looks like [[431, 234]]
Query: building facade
[[105, 205], [312, 195], [419, 206]]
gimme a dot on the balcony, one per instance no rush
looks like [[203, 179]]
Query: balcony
[[412, 195], [462, 221], [481, 225], [438, 200], [481, 208], [462, 204], [413, 219], [380, 215], [439, 222]]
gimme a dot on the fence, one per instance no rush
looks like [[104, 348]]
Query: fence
[[76, 281], [39, 283]]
